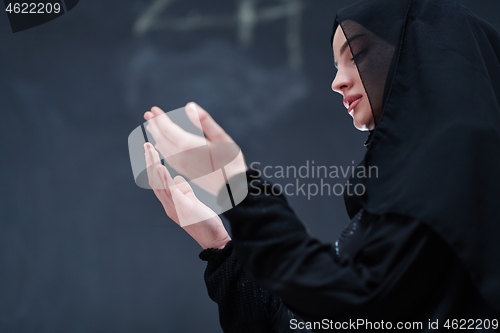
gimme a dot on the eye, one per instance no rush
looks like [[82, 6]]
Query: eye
[[359, 56]]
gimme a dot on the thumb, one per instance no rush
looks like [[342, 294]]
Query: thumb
[[202, 119], [185, 188]]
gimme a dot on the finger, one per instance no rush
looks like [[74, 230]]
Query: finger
[[149, 162], [182, 202], [152, 160], [182, 185], [157, 111], [152, 154], [166, 178], [164, 195], [159, 178], [192, 210], [149, 165], [153, 128], [202, 119], [168, 128], [148, 115], [165, 132]]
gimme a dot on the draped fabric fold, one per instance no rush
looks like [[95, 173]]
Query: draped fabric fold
[[432, 68]]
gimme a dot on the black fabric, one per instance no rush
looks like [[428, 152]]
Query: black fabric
[[390, 268], [423, 241], [243, 306], [437, 144]]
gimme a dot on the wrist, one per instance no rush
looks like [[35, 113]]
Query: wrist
[[223, 243], [218, 245]]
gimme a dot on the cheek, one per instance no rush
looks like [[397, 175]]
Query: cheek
[[363, 116], [355, 75]]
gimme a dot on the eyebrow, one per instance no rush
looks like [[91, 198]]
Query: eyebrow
[[343, 47]]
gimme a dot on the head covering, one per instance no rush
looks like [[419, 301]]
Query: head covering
[[433, 67]]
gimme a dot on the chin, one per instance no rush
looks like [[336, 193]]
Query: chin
[[362, 128], [362, 117], [363, 124]]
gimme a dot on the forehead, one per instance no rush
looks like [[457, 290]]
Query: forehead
[[338, 39], [339, 44]]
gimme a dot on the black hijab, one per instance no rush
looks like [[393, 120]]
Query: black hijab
[[433, 68]]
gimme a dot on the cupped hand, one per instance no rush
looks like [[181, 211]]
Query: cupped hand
[[182, 206], [194, 156]]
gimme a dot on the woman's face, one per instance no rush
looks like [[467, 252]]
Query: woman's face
[[348, 83]]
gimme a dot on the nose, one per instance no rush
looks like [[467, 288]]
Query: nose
[[341, 82]]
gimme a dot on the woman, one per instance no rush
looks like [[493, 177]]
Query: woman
[[421, 251]]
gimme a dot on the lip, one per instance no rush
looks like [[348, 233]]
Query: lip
[[351, 101]]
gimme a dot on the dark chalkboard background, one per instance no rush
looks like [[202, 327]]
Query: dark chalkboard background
[[82, 248]]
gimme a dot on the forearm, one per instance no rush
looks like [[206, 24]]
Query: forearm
[[273, 244], [308, 276]]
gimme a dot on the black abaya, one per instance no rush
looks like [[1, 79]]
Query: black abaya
[[386, 268], [426, 246]]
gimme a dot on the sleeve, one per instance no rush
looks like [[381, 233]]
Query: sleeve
[[243, 306], [309, 276]]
